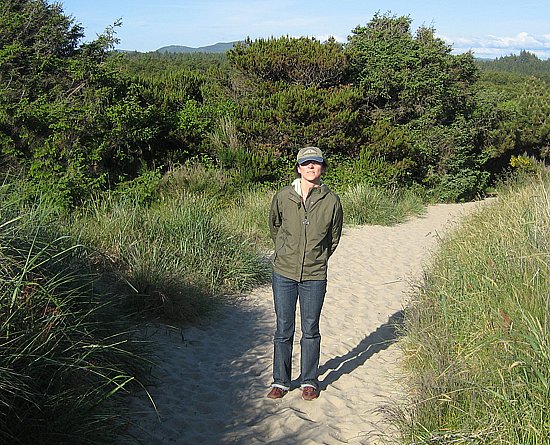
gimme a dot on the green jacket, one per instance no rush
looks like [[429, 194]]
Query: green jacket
[[304, 237]]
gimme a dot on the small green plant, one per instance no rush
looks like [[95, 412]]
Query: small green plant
[[523, 163]]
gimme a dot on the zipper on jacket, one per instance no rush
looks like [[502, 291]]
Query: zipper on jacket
[[305, 223]]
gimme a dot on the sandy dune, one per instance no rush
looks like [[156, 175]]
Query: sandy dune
[[212, 378]]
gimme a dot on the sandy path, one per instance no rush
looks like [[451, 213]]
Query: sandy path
[[213, 378]]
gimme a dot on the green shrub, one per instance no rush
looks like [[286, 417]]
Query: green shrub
[[368, 169], [365, 204], [197, 177], [142, 190]]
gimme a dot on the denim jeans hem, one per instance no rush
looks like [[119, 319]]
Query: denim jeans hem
[[277, 385]]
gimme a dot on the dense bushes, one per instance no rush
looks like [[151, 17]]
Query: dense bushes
[[402, 105], [67, 114], [297, 61], [81, 118], [409, 76]]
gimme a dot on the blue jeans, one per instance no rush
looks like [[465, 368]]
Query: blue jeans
[[285, 296]]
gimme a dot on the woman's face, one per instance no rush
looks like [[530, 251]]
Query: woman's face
[[311, 171]]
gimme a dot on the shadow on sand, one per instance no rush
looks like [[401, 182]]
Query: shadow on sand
[[377, 341]]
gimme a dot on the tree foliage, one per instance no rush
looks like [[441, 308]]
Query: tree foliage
[[410, 76], [524, 63], [392, 106], [291, 92], [297, 61], [66, 113]]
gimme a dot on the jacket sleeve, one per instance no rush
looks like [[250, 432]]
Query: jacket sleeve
[[337, 222], [274, 218]]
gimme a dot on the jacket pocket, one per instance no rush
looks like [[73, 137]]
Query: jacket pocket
[[280, 242]]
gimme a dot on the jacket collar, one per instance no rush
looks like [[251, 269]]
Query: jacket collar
[[316, 193]]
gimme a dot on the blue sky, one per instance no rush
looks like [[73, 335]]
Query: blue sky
[[489, 28]]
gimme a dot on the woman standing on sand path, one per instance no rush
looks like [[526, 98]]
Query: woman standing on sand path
[[305, 222]]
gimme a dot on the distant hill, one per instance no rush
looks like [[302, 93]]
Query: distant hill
[[216, 48]]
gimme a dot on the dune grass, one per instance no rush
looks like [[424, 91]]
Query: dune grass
[[175, 255], [248, 215], [64, 351], [366, 204], [477, 339]]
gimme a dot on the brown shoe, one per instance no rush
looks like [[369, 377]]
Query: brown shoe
[[309, 393], [276, 393]]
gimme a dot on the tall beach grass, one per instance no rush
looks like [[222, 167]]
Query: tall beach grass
[[366, 204], [64, 351], [175, 255], [478, 336]]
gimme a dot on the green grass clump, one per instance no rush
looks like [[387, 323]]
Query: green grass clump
[[175, 254], [478, 338], [248, 215], [64, 352], [366, 204]]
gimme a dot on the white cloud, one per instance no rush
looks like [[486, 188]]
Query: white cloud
[[498, 46]]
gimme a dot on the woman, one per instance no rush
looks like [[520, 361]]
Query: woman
[[306, 223]]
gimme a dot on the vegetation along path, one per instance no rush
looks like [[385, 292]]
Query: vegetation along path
[[212, 378]]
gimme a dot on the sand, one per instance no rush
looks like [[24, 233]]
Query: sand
[[211, 379]]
